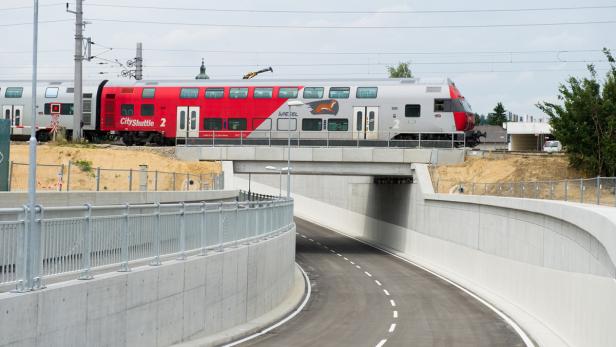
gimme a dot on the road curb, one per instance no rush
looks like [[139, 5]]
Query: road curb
[[288, 308]]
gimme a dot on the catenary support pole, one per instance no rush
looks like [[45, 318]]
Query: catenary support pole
[[78, 95]]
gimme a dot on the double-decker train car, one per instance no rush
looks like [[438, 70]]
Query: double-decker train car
[[142, 112]]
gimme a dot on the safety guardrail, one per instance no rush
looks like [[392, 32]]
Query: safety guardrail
[[76, 177], [386, 139], [598, 190], [80, 239]]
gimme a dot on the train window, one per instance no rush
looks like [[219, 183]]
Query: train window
[[238, 93], [371, 121], [70, 90], [189, 93], [147, 109], [51, 92], [442, 105], [148, 93], [359, 124], [312, 124], [413, 111], [339, 92], [215, 93], [13, 92], [287, 93], [338, 125], [313, 93], [212, 124], [286, 124], [67, 109], [127, 110], [366, 92], [263, 93], [263, 124], [237, 124]]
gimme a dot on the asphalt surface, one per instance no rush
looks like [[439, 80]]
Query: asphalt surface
[[364, 297]]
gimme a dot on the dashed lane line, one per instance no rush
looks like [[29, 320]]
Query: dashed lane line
[[392, 327], [368, 274], [378, 283], [393, 303], [386, 292], [395, 314], [381, 343]]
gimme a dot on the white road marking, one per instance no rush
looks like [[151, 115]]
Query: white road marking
[[392, 327], [378, 283], [357, 266], [395, 314], [386, 292], [527, 340], [352, 263], [345, 258], [326, 247], [318, 243], [393, 303], [304, 236], [380, 344], [367, 274], [311, 240], [340, 255], [331, 250]]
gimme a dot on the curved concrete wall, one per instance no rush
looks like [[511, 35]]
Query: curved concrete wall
[[155, 306], [549, 265]]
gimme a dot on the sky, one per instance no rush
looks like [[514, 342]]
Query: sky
[[513, 62]]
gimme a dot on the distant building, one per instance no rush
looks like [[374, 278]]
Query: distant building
[[202, 75], [496, 138], [527, 136]]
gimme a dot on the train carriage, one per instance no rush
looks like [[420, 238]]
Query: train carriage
[[161, 112]]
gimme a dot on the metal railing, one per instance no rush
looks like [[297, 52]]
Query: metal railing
[[325, 139], [71, 177], [598, 190], [78, 240]]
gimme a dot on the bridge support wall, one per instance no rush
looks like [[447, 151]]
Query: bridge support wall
[[548, 265], [155, 306]]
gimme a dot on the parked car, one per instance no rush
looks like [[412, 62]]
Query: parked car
[[552, 147]]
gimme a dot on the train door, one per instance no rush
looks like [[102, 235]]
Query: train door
[[15, 113], [366, 123], [187, 121]]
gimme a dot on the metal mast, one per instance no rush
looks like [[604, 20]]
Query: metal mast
[[78, 108], [139, 62]]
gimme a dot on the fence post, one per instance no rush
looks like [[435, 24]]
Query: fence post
[[21, 252], [173, 189], [143, 178], [203, 228], [68, 176], [187, 181], [598, 190], [220, 226], [124, 267], [182, 232], [156, 180], [10, 175], [98, 178], [237, 223], [87, 238], [130, 180], [28, 262], [157, 231], [566, 189], [60, 177], [581, 191]]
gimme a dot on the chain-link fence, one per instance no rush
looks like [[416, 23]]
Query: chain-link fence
[[598, 190], [81, 239], [77, 176]]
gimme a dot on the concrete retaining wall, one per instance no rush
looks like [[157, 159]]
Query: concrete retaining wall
[[18, 199], [548, 265], [154, 306]]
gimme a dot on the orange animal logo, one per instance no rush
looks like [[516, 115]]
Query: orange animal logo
[[324, 107]]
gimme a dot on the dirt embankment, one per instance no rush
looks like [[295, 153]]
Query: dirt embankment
[[499, 168], [115, 163]]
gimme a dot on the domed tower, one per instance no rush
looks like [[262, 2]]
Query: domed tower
[[202, 75]]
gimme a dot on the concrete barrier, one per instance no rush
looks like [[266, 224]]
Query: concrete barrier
[[549, 265], [18, 199], [155, 306]]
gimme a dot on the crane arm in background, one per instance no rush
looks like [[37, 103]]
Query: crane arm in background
[[255, 73]]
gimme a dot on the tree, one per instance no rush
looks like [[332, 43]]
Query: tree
[[499, 116], [585, 122], [401, 71]]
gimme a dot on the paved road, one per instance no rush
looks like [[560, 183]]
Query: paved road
[[364, 297]]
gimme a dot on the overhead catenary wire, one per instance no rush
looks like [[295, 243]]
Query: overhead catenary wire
[[338, 12], [342, 27]]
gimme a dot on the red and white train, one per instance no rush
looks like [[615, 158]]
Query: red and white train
[[142, 112]]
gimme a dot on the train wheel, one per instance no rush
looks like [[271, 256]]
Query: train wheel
[[128, 139]]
